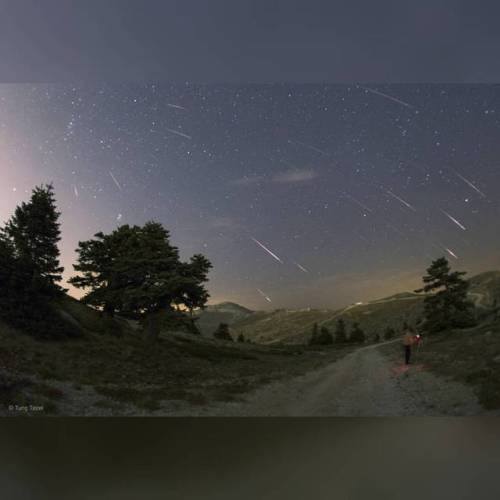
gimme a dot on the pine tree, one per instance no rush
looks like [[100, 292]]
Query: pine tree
[[314, 336], [193, 294], [495, 309], [357, 334], [325, 337], [222, 332], [340, 332], [136, 271], [7, 270], [389, 333], [21, 305], [446, 304], [35, 232]]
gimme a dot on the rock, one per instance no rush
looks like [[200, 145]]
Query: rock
[[496, 359]]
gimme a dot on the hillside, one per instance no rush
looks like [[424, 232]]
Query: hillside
[[286, 326], [294, 326], [109, 369], [485, 289], [87, 320], [469, 356], [225, 312]]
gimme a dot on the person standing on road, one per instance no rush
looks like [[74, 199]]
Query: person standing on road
[[408, 341]]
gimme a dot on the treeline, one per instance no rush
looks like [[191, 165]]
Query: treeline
[[446, 307], [323, 336], [133, 271], [222, 333]]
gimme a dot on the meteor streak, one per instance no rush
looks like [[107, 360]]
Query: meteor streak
[[469, 183], [451, 253], [178, 133], [455, 221], [176, 106], [377, 92], [446, 249], [360, 236], [263, 295], [302, 268], [396, 197], [267, 250], [355, 200], [309, 147], [395, 229], [115, 181]]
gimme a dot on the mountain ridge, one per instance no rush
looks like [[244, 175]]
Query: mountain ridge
[[374, 316]]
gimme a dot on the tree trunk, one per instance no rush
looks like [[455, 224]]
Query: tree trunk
[[152, 327], [109, 309]]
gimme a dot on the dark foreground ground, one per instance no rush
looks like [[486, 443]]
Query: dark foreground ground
[[111, 370], [105, 375]]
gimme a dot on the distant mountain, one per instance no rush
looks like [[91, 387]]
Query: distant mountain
[[282, 325], [295, 326], [225, 312]]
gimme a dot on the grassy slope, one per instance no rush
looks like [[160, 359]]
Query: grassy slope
[[373, 317], [471, 356], [111, 357], [125, 369], [485, 288], [280, 325], [296, 326]]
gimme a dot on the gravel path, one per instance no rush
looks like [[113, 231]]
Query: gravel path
[[364, 383]]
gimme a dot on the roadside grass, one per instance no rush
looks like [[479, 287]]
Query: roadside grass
[[470, 356], [48, 391], [127, 369]]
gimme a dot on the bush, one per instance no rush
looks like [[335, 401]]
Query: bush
[[357, 334], [325, 337], [389, 333]]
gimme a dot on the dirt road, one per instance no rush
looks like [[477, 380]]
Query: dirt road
[[364, 383]]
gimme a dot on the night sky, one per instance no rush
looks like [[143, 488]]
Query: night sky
[[301, 195]]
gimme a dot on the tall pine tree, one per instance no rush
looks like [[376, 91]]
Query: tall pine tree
[[34, 231], [24, 301], [446, 304]]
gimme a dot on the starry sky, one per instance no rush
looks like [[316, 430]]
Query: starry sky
[[301, 195]]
